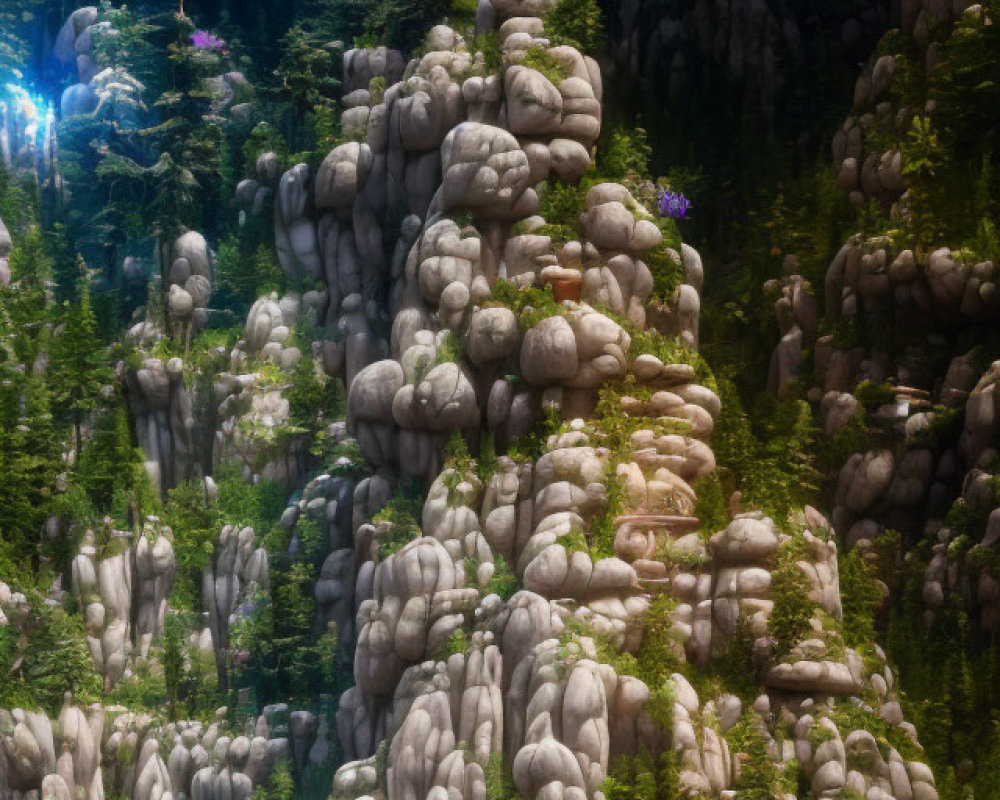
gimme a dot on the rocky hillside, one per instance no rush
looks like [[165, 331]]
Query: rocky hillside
[[369, 430]]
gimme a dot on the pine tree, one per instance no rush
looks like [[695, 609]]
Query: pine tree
[[106, 463], [78, 369]]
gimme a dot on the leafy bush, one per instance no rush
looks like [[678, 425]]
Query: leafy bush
[[263, 138], [759, 777], [793, 609], [403, 514], [242, 274], [195, 525], [639, 777], [561, 203], [504, 581], [770, 460], [257, 506], [499, 780], [458, 642], [314, 398], [873, 395], [576, 23], [860, 597], [491, 47], [145, 689], [623, 153]]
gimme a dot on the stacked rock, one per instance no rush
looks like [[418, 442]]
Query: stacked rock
[[865, 171], [122, 589], [163, 408], [74, 47], [188, 284]]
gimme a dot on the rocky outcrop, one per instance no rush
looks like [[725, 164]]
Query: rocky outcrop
[[121, 587]]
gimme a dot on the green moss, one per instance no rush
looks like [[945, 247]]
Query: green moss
[[530, 305], [848, 716], [540, 60], [403, 515]]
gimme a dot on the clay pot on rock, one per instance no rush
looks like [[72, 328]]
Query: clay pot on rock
[[567, 287]]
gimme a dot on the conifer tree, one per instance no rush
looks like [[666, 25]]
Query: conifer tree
[[78, 369]]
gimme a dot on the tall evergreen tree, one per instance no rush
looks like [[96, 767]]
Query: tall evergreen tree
[[78, 368]]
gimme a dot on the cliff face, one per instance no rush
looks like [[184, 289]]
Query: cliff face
[[535, 546]]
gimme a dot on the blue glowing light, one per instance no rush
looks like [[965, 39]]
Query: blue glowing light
[[28, 112], [30, 106]]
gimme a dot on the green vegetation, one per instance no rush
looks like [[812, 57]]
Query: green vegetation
[[44, 658], [576, 23], [767, 454], [861, 597], [504, 581], [541, 60], [642, 777], [195, 526], [793, 610], [760, 778], [530, 305], [499, 781], [402, 517], [458, 642], [243, 273]]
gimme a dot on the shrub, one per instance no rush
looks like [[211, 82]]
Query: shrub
[[195, 527], [643, 777], [793, 609], [491, 47], [504, 581], [872, 395], [576, 23], [623, 153], [458, 642], [499, 780], [759, 776], [258, 505], [860, 597], [403, 514]]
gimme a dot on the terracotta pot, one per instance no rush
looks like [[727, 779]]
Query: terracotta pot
[[568, 288]]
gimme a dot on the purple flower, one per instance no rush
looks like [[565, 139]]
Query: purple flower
[[674, 205], [203, 40]]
